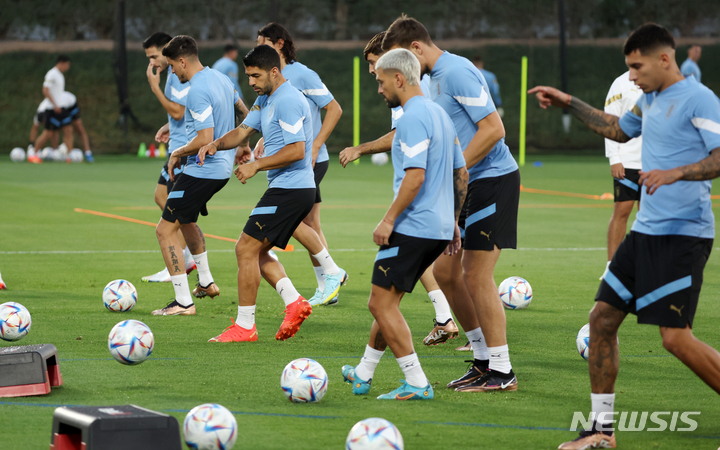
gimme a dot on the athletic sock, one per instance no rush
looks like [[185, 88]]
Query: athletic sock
[[287, 291], [326, 262], [204, 275], [442, 308], [246, 316], [478, 344], [414, 375], [603, 403], [188, 256], [500, 359], [320, 275], [366, 369], [182, 289]]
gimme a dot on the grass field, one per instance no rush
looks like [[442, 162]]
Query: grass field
[[56, 262]]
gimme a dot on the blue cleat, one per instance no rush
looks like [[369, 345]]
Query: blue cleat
[[360, 387], [316, 299], [407, 392], [332, 287], [89, 157]]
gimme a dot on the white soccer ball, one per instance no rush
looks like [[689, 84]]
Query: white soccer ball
[[131, 342], [76, 155], [304, 381], [583, 341], [46, 154], [17, 154], [210, 427], [515, 293], [379, 159], [15, 321], [374, 434], [119, 296], [57, 155]]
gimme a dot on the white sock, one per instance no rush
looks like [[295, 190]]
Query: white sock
[[442, 309], [246, 317], [478, 344], [326, 262], [366, 369], [603, 403], [414, 375], [188, 256], [500, 359], [182, 289], [287, 291], [204, 275], [320, 275]]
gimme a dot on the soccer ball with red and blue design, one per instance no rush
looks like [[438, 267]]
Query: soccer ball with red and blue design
[[304, 381], [210, 427], [15, 321], [131, 342], [583, 341], [374, 434], [119, 296], [515, 293]]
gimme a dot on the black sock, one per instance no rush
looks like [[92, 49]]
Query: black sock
[[482, 364]]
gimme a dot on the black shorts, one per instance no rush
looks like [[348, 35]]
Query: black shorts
[[657, 278], [165, 178], [492, 212], [188, 198], [404, 260], [39, 118], [319, 170], [278, 214], [55, 121], [74, 112], [627, 189]]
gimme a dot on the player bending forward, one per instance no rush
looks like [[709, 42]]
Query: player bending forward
[[282, 115], [430, 177], [656, 272]]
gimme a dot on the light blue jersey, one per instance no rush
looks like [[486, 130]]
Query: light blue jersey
[[690, 69], [425, 138], [309, 83], [459, 87], [177, 92], [679, 126], [397, 111], [210, 104], [284, 118], [229, 68], [494, 86]]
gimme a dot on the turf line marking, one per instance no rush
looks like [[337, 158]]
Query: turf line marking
[[301, 416], [113, 359], [564, 194], [491, 425]]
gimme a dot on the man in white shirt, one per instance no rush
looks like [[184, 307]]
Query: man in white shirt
[[57, 117], [625, 162]]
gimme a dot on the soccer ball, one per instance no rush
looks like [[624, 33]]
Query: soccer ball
[[515, 293], [210, 427], [15, 321], [374, 433], [17, 154], [304, 381], [76, 155], [379, 159], [131, 342], [46, 154], [119, 296], [583, 341]]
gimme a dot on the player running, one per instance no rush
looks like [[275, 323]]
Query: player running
[[318, 97], [657, 271], [430, 177], [490, 213], [208, 113], [283, 115]]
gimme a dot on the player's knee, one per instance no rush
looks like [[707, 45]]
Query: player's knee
[[601, 321], [673, 340]]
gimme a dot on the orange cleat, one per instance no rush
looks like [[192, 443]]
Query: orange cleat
[[295, 313], [236, 333]]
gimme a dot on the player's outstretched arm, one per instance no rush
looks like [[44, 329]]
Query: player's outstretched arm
[[284, 157], [203, 138], [409, 188], [606, 125], [332, 116], [380, 145], [706, 169], [231, 139]]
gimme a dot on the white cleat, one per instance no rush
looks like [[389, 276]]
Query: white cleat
[[161, 277]]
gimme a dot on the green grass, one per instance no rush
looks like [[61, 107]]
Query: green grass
[[561, 253]]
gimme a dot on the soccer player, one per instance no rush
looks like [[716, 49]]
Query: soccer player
[[625, 163], [209, 114], [319, 97], [657, 271], [430, 177], [690, 66], [57, 117], [283, 116], [444, 326], [229, 67], [492, 83], [490, 212], [68, 103]]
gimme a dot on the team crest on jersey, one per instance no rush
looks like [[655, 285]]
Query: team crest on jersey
[[271, 111], [670, 110], [255, 108]]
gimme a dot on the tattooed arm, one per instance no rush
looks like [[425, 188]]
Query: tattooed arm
[[460, 187], [706, 169], [229, 140], [604, 124]]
